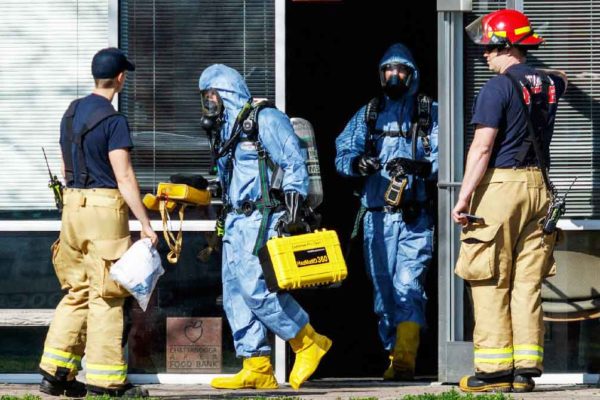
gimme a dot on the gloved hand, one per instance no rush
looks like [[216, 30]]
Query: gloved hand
[[406, 166], [215, 188], [365, 165], [291, 221]]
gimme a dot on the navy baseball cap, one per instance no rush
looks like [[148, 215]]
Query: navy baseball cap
[[110, 62]]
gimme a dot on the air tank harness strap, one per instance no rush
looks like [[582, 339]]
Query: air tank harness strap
[[267, 204], [424, 105], [357, 221]]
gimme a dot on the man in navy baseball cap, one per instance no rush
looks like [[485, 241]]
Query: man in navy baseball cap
[[95, 142], [110, 62]]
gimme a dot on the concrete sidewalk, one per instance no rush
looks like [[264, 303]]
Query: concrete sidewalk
[[329, 389]]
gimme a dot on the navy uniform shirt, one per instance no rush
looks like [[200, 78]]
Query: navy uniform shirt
[[110, 134], [498, 106]]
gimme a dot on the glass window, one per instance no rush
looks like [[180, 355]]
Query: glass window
[[21, 349], [171, 43], [189, 289], [46, 56], [571, 302], [27, 279], [570, 33]]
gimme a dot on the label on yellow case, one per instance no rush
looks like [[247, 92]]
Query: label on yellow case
[[311, 257]]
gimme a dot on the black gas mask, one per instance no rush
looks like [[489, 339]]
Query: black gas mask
[[211, 110], [395, 79]]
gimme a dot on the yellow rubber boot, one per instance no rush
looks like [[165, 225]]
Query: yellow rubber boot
[[404, 356], [309, 347], [257, 373]]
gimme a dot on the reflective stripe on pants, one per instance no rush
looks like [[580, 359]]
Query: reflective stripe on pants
[[58, 358], [106, 373]]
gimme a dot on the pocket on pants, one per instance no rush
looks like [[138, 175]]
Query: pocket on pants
[[478, 256], [107, 252], [59, 265]]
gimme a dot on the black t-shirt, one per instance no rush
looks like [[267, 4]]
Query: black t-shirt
[[110, 134], [498, 106]]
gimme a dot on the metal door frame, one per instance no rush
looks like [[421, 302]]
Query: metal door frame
[[451, 347]]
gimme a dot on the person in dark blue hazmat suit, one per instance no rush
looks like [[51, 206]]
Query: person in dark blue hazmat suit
[[247, 154], [392, 143]]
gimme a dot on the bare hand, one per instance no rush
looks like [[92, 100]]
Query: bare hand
[[148, 232], [462, 206]]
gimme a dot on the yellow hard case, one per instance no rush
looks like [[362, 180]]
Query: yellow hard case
[[295, 262], [182, 193]]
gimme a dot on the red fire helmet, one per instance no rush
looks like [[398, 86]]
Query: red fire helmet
[[503, 28]]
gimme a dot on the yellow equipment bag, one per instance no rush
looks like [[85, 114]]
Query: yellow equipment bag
[[153, 203], [295, 262], [182, 193], [168, 196]]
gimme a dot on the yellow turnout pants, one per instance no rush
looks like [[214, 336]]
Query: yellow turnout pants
[[94, 234], [505, 260]]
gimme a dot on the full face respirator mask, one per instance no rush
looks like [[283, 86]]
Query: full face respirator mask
[[211, 110], [395, 85]]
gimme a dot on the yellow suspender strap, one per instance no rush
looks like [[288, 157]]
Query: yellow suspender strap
[[173, 242]]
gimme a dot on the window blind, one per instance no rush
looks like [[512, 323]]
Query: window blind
[[171, 43], [570, 29], [47, 48]]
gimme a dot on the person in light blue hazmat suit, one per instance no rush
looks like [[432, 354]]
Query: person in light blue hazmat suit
[[246, 153], [392, 143]]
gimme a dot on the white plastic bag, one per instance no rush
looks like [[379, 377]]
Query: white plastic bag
[[138, 271]]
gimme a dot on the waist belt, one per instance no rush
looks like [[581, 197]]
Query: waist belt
[[387, 209], [532, 175], [392, 133], [93, 197], [248, 207], [393, 209]]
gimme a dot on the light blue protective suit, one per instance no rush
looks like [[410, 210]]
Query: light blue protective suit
[[397, 253], [250, 307]]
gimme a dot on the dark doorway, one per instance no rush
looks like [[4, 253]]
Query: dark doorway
[[332, 55]]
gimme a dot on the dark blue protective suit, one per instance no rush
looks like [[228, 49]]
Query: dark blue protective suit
[[250, 307], [397, 252]]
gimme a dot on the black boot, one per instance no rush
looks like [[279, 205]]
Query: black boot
[[128, 390], [475, 384], [55, 387], [523, 384]]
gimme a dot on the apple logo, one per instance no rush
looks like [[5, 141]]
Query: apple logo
[[193, 331]]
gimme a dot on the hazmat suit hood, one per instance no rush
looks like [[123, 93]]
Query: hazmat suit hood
[[400, 54], [229, 83], [398, 112]]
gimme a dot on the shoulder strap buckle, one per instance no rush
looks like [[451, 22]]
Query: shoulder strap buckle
[[372, 112], [424, 104]]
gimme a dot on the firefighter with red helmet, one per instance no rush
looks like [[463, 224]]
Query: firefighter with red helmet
[[505, 251]]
